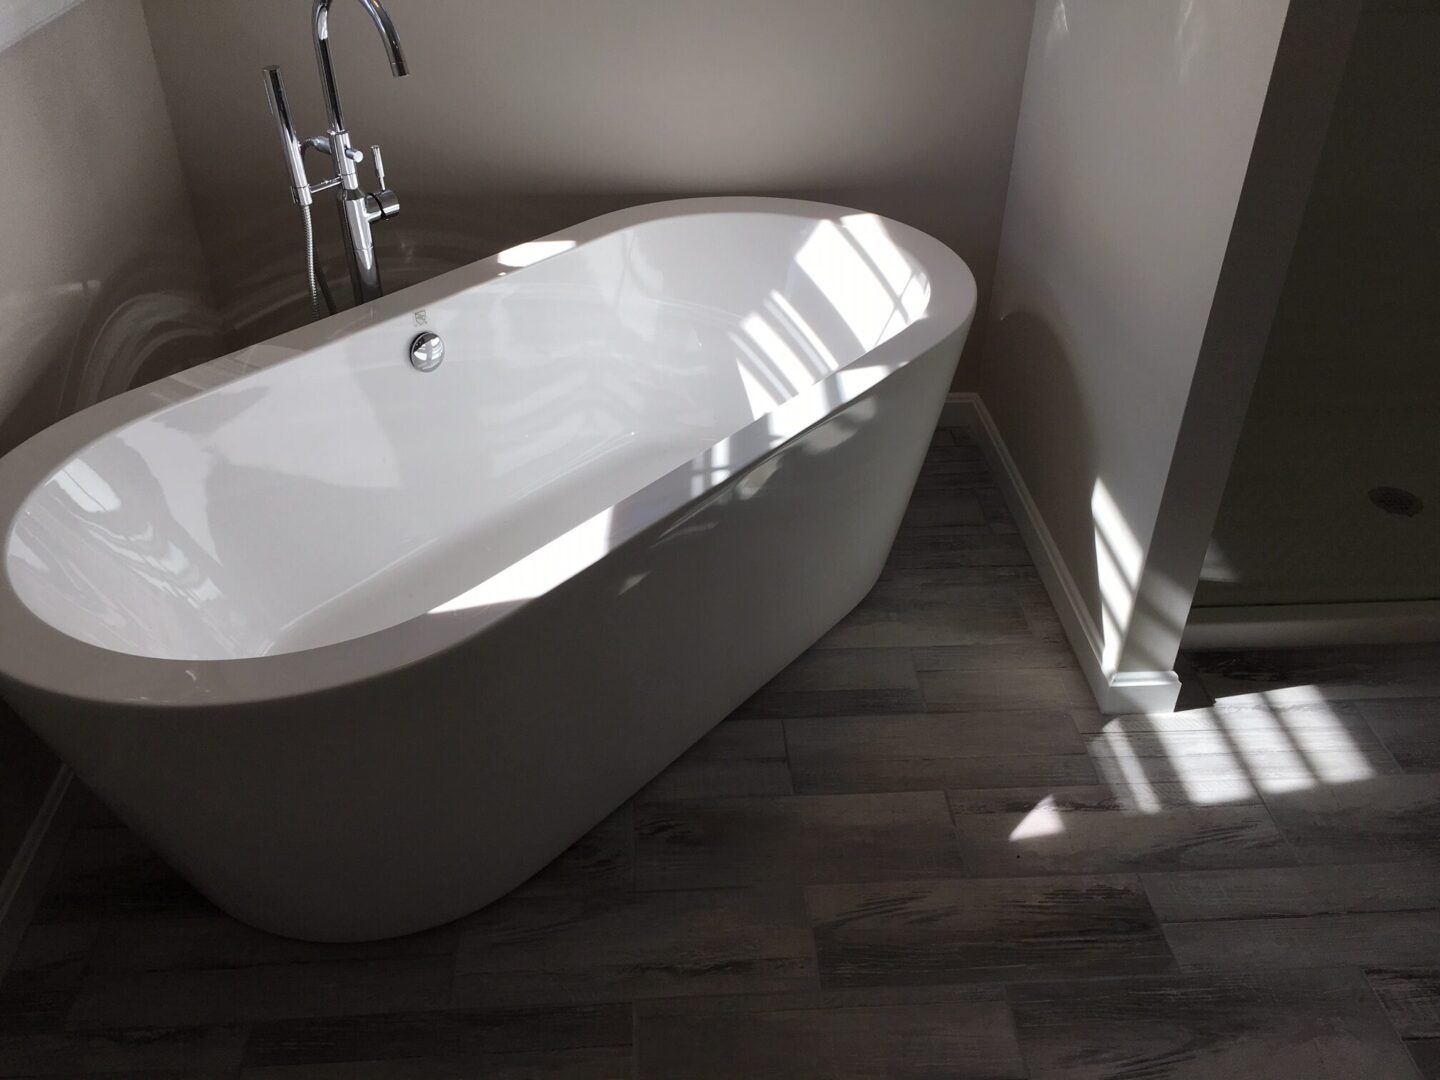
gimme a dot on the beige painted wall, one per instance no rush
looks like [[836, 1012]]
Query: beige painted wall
[[1348, 391], [102, 282], [1135, 131], [524, 116]]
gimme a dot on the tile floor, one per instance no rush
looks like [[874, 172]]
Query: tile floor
[[918, 853]]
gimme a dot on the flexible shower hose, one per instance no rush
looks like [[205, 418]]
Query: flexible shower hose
[[314, 275], [310, 263]]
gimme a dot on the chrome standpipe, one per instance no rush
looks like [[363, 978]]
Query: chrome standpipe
[[358, 209]]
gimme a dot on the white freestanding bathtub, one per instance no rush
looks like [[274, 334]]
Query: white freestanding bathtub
[[360, 648]]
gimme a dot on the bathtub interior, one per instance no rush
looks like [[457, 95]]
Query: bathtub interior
[[342, 492]]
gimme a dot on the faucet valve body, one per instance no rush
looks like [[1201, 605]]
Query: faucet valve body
[[358, 210]]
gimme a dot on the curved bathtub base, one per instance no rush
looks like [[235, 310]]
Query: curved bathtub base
[[384, 784], [404, 784]]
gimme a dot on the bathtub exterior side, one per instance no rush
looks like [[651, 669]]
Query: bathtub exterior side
[[385, 806]]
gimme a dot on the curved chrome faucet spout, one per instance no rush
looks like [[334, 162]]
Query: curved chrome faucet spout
[[388, 36]]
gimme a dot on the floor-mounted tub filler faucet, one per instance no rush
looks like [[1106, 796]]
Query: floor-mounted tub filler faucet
[[359, 210]]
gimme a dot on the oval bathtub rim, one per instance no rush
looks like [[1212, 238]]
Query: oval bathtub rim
[[38, 656]]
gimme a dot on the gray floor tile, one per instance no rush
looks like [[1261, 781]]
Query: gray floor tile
[[903, 613], [993, 504], [1198, 895], [963, 458], [933, 751], [1278, 770], [221, 942], [1041, 688], [193, 997], [602, 859], [995, 577], [1426, 1055], [210, 1051], [601, 948], [460, 1036], [44, 977], [1381, 818], [1373, 939], [108, 872], [1409, 728], [1022, 657], [1320, 1025], [796, 839], [938, 508], [1278, 750], [839, 1040], [839, 682], [955, 546], [585, 1063], [739, 757], [1241, 729], [1097, 829], [1042, 619], [1411, 998], [34, 1010], [1316, 719], [955, 931], [52, 955]]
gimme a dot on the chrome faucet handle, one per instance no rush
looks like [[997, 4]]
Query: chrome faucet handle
[[379, 163], [322, 144], [382, 203]]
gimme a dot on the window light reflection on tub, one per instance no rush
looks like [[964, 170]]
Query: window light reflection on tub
[[86, 488], [911, 287], [711, 468], [868, 233], [812, 340], [865, 277], [854, 290], [761, 401], [764, 387], [532, 252], [541, 570], [783, 360]]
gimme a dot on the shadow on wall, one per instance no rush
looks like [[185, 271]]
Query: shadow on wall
[[1080, 510], [136, 324]]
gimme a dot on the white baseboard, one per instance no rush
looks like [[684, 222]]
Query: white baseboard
[[28, 874], [1115, 691], [1280, 626]]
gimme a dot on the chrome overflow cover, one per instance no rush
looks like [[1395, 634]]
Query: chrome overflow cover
[[426, 351]]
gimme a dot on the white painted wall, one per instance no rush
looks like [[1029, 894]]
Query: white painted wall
[[1135, 130], [521, 117]]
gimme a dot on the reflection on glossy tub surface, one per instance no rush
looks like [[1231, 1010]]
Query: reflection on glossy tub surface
[[360, 647]]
